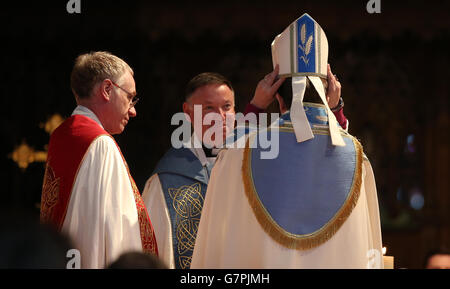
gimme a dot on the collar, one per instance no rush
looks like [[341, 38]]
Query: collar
[[211, 153], [82, 110], [198, 150]]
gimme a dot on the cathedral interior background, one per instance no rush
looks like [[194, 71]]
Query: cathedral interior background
[[393, 67]]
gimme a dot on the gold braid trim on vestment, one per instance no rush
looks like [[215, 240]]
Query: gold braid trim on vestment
[[148, 239], [307, 241], [50, 194]]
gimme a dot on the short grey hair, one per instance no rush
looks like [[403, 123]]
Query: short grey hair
[[94, 67]]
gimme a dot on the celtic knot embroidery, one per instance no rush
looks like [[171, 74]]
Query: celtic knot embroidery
[[187, 202], [50, 193]]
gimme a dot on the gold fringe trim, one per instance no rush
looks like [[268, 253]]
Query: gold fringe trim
[[307, 241]]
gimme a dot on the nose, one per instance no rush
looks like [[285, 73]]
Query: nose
[[223, 113], [132, 112]]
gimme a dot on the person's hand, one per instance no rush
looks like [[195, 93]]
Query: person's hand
[[334, 89], [266, 89]]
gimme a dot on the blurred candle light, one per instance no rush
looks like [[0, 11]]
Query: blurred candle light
[[388, 261]]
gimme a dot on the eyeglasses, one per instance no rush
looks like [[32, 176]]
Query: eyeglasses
[[133, 99]]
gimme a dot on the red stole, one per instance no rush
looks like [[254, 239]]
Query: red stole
[[68, 145]]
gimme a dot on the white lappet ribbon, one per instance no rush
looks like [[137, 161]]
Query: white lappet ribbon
[[299, 119]]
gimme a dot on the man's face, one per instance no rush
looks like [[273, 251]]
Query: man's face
[[120, 109], [213, 98]]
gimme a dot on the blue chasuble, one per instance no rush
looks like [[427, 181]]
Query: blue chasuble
[[184, 182], [303, 196]]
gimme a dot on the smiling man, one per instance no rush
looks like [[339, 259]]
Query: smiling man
[[88, 192], [213, 96]]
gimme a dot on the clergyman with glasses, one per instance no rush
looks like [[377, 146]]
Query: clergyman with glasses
[[88, 192]]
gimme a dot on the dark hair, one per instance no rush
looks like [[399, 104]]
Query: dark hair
[[27, 244], [137, 260], [203, 79], [311, 94]]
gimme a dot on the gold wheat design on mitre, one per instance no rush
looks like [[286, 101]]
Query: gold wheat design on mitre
[[306, 44]]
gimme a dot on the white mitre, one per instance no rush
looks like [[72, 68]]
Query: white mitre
[[301, 51]]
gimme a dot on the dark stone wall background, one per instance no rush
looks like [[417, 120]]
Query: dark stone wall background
[[393, 67]]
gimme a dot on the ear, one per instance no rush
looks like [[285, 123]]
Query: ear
[[187, 109], [281, 103], [105, 89]]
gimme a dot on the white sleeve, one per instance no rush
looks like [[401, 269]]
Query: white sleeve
[[101, 217], [155, 203]]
